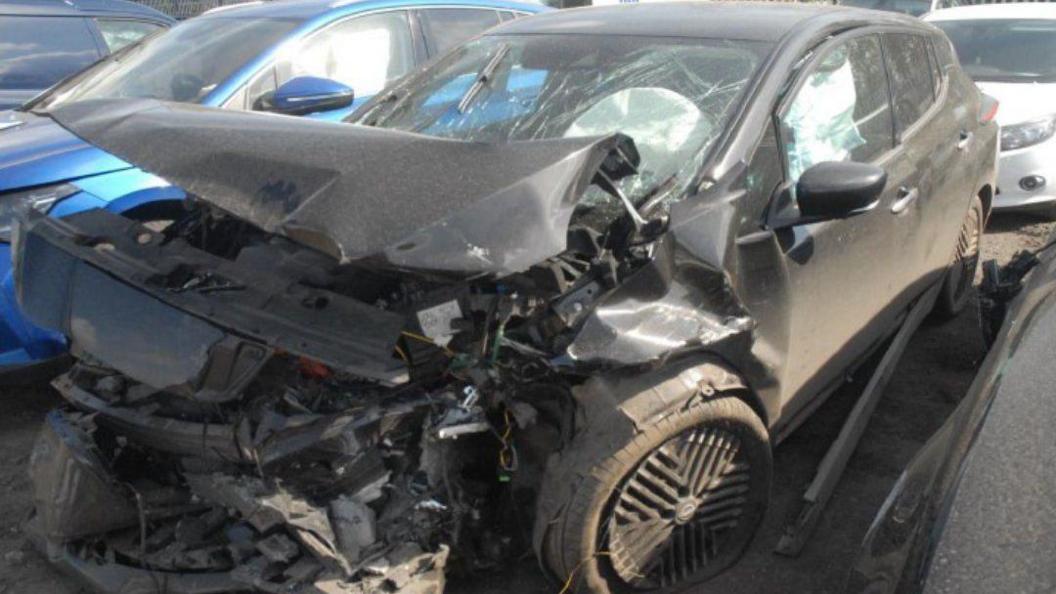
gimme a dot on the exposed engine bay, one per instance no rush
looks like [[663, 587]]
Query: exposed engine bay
[[282, 471], [360, 431]]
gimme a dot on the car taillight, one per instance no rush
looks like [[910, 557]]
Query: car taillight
[[987, 109]]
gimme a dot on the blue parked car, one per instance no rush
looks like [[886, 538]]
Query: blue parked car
[[44, 41], [318, 58]]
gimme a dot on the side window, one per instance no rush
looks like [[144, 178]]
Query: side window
[[264, 84], [911, 84], [937, 75], [37, 52], [764, 171], [445, 28], [842, 111], [119, 33], [365, 53]]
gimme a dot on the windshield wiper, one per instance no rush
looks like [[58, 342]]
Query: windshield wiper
[[375, 116], [483, 77]]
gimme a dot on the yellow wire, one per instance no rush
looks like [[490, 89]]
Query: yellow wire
[[504, 453], [428, 340], [572, 576], [418, 337], [402, 354]]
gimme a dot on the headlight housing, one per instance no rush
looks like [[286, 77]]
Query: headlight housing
[[1028, 133], [41, 199]]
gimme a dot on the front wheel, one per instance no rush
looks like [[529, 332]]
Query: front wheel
[[957, 286], [669, 508]]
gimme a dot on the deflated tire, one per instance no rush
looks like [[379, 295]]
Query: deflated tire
[[670, 506]]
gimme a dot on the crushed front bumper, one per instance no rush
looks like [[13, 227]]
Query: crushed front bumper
[[143, 538]]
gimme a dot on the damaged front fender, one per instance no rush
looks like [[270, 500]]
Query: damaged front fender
[[672, 305]]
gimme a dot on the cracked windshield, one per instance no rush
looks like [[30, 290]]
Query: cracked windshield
[[673, 97]]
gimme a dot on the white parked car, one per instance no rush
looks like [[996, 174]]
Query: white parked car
[[910, 7], [1010, 52]]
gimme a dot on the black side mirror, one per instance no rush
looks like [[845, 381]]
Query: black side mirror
[[839, 189]]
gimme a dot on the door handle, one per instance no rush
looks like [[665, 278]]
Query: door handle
[[964, 140], [906, 196]]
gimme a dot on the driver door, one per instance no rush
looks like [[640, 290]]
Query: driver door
[[844, 275]]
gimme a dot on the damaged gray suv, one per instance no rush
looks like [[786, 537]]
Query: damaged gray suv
[[563, 289]]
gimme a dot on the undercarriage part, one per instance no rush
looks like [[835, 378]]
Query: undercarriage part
[[213, 500], [210, 441], [999, 287], [101, 576], [268, 507], [69, 475], [406, 570], [835, 461], [287, 491], [664, 495]]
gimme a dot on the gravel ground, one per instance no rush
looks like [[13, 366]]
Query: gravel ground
[[933, 374]]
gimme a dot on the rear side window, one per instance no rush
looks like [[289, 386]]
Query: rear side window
[[912, 88], [842, 111], [37, 52], [945, 52], [445, 28], [117, 33]]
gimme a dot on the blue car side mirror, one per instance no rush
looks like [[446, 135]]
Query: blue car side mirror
[[308, 94]]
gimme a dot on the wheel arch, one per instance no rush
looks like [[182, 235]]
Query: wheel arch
[[702, 375], [986, 196], [618, 414]]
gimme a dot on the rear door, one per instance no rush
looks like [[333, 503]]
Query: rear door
[[844, 275], [931, 180], [959, 106]]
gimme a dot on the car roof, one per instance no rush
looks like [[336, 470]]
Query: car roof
[[751, 21], [118, 8], [1011, 10], [306, 9]]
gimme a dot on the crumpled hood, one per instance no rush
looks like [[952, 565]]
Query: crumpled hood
[[35, 151], [1021, 102], [355, 192]]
